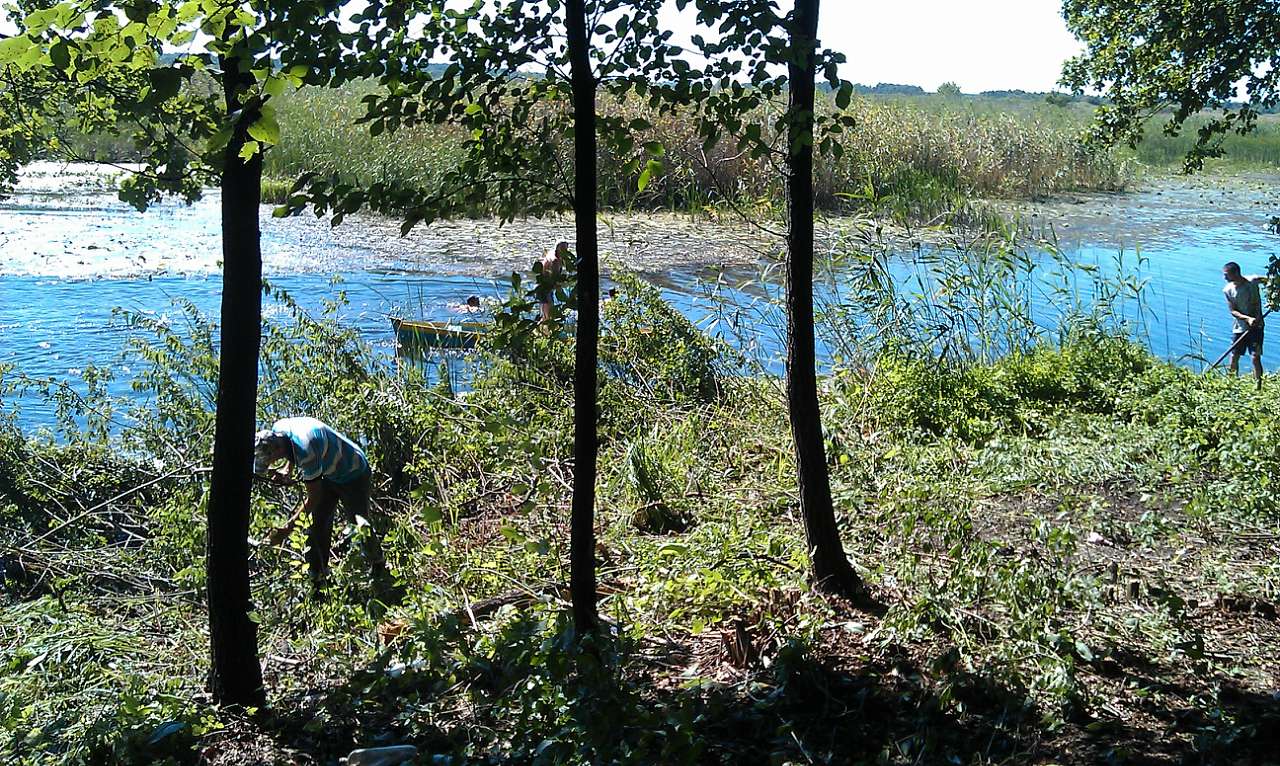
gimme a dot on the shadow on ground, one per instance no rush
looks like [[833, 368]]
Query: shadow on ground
[[811, 705]]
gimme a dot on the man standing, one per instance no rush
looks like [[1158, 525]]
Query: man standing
[[334, 470], [548, 275], [1244, 301]]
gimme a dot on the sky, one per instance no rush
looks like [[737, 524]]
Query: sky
[[978, 44]]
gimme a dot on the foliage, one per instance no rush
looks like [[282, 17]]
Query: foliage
[[512, 131], [1002, 622], [1024, 392], [651, 345], [1191, 56]]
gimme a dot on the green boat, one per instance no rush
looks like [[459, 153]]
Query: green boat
[[416, 335]]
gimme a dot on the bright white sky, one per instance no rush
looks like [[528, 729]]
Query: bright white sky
[[978, 44]]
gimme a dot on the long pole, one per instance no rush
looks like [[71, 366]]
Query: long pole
[[1237, 343]]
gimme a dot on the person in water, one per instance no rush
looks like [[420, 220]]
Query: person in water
[[552, 264], [1244, 301], [472, 305], [334, 470]]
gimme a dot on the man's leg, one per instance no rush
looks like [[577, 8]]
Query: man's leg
[[322, 500], [1235, 361], [1257, 365], [355, 502]]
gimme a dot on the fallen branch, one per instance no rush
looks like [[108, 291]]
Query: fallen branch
[[90, 511]]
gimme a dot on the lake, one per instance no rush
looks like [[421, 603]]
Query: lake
[[71, 253]]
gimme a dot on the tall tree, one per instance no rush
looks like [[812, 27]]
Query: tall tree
[[111, 62], [1176, 59], [730, 93], [235, 675], [582, 543], [831, 568], [522, 79]]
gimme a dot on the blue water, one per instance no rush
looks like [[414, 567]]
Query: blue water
[[55, 328], [57, 323]]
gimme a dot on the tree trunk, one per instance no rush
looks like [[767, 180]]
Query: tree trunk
[[582, 537], [832, 571], [235, 677]]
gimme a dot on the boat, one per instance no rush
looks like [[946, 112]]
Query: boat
[[420, 334]]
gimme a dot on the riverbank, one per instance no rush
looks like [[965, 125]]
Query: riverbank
[[1069, 548], [73, 254]]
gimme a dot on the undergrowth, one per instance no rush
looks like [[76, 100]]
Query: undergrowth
[[1070, 545]]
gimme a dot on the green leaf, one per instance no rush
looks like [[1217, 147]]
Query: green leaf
[[274, 86], [674, 549], [266, 128], [60, 55], [40, 20], [844, 96], [166, 82], [138, 11], [218, 140], [13, 47], [249, 149], [645, 177]]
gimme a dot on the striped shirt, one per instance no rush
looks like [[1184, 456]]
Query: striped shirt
[[321, 452]]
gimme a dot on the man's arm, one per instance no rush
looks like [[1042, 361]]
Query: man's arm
[[281, 533], [1247, 319]]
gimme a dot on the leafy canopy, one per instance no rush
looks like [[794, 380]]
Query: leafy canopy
[[1147, 56], [155, 71]]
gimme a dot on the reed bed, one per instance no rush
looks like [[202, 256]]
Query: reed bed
[[1259, 150], [905, 159]]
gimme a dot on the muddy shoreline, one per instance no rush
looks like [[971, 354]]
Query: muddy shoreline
[[65, 222]]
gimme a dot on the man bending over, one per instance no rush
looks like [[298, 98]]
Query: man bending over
[[334, 470]]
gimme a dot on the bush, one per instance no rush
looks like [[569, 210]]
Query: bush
[[1022, 392], [650, 345]]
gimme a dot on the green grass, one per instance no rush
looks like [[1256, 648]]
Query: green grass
[[1071, 544], [908, 158], [1259, 150]]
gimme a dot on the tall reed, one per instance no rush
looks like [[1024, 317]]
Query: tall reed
[[910, 162]]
